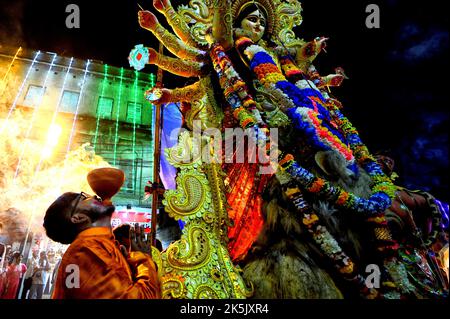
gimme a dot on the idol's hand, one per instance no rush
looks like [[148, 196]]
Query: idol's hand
[[166, 94], [152, 56], [139, 242], [335, 79], [161, 5], [147, 20], [159, 96], [321, 43]]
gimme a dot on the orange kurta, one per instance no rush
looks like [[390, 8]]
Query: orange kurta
[[104, 273]]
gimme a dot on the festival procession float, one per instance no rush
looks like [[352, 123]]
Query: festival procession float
[[299, 208], [260, 185]]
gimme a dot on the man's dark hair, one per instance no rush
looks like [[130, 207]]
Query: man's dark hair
[[15, 254], [57, 223]]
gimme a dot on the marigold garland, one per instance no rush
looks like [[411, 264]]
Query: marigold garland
[[235, 89], [312, 115], [330, 122], [311, 99]]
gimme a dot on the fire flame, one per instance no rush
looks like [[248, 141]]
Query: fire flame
[[26, 195]]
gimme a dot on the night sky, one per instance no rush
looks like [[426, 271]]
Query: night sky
[[397, 94]]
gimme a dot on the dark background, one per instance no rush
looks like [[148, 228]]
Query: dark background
[[397, 94]]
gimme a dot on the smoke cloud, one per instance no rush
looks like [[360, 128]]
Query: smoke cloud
[[25, 194]]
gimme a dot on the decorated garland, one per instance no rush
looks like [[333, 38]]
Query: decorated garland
[[235, 89], [375, 205], [383, 189], [326, 242], [328, 245], [310, 115]]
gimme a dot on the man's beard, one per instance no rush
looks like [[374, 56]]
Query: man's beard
[[110, 210], [100, 213]]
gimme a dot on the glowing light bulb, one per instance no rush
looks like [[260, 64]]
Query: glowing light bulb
[[46, 152], [54, 132]]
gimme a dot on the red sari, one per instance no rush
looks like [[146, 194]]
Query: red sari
[[2, 279], [12, 280]]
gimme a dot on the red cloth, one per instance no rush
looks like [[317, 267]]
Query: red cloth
[[244, 186], [2, 279], [12, 280], [244, 198]]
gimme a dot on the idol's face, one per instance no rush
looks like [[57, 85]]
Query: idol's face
[[254, 24]]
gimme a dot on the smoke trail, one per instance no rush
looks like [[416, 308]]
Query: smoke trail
[[11, 16], [35, 190]]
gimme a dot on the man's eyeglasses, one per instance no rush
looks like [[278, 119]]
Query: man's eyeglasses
[[83, 196]]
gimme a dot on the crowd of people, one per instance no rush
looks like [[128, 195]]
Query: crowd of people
[[36, 274]]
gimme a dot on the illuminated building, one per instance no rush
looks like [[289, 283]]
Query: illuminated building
[[70, 102]]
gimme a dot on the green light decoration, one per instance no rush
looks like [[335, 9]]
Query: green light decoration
[[116, 139], [136, 79], [152, 80], [105, 75]]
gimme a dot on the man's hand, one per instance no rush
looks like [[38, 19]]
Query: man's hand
[[122, 235], [139, 242], [147, 20]]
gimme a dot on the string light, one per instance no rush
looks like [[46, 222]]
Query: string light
[[35, 112], [52, 128], [136, 74], [19, 93], [116, 139], [9, 69], [77, 108], [105, 74]]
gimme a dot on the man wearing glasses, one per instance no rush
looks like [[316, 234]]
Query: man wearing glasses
[[95, 266]]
